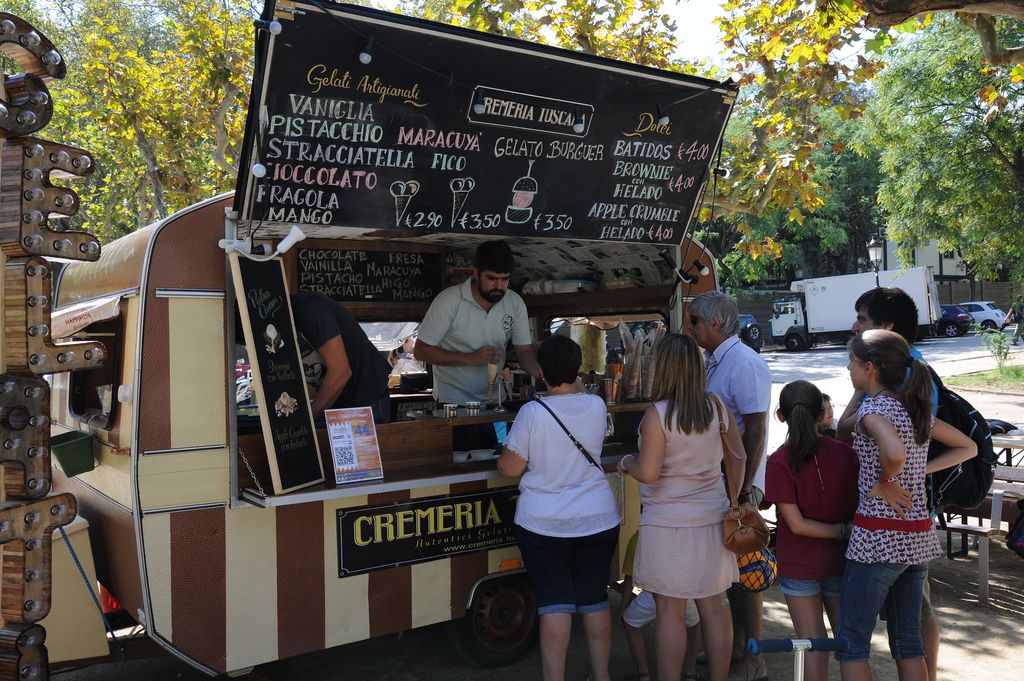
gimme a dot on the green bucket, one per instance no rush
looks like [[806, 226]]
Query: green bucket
[[73, 452]]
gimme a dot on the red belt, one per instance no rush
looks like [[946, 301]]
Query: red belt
[[894, 524]]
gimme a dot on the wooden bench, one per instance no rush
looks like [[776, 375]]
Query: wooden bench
[[1009, 446], [1008, 482]]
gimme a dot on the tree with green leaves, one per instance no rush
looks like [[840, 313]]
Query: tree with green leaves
[[157, 92], [830, 239], [952, 165]]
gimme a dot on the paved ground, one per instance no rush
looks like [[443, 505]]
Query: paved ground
[[980, 643]]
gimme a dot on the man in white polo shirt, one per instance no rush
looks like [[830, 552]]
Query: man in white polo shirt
[[743, 380], [469, 325]]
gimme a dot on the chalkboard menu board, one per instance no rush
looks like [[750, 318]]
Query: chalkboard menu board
[[351, 275], [450, 130], [278, 379]]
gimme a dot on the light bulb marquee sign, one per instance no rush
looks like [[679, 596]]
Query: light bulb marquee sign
[[369, 120], [28, 201]]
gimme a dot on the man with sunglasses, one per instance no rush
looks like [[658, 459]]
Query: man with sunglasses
[[738, 375]]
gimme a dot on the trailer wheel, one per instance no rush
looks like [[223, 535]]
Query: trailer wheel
[[794, 342], [500, 624]]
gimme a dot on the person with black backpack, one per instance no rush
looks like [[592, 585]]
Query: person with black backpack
[[892, 309]]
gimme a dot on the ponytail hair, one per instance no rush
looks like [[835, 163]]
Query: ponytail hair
[[917, 398], [800, 404], [899, 372]]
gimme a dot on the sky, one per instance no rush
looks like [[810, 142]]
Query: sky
[[698, 37]]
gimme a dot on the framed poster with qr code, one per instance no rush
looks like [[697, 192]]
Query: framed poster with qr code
[[353, 440]]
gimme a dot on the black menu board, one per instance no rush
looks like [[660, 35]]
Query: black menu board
[[371, 120], [347, 274], [278, 378]]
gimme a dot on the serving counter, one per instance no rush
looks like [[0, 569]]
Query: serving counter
[[415, 454]]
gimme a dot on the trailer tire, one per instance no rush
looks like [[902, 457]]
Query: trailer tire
[[794, 342], [500, 625]]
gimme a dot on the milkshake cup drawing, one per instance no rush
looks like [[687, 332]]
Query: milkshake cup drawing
[[461, 187], [523, 191], [403, 193]]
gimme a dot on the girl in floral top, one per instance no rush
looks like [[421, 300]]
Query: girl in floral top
[[892, 538]]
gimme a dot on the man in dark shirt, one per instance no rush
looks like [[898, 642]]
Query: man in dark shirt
[[339, 360]]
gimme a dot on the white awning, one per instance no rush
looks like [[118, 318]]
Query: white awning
[[73, 318]]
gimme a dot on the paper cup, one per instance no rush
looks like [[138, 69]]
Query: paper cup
[[481, 454], [460, 457]]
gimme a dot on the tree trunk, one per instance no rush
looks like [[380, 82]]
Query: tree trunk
[[156, 184], [220, 155], [892, 12], [996, 54]]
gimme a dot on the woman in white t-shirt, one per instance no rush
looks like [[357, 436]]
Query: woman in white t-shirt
[[567, 523]]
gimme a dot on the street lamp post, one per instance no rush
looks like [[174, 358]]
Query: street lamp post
[[876, 247]]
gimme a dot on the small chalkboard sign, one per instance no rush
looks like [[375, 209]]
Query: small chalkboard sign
[[354, 275], [278, 380]]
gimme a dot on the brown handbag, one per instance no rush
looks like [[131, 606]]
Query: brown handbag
[[743, 529]]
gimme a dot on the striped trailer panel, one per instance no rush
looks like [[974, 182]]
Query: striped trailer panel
[[182, 392], [209, 570]]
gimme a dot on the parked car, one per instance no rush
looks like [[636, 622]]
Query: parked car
[[985, 313], [955, 321], [750, 332]]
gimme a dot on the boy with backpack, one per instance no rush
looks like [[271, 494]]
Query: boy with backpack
[[894, 310]]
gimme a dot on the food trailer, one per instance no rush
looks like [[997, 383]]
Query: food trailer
[[379, 151]]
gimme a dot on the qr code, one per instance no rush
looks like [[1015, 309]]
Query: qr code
[[343, 445]]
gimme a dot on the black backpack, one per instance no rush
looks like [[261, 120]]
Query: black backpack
[[965, 485]]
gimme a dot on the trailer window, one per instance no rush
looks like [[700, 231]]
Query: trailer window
[[93, 392]]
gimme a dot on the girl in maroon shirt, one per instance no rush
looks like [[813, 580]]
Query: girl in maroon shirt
[[812, 480]]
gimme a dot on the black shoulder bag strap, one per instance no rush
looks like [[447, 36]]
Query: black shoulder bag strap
[[571, 437]]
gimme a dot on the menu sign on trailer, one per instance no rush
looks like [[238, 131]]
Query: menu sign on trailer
[[359, 275], [278, 377], [371, 120]]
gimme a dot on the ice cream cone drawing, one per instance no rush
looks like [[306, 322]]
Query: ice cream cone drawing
[[523, 192], [492, 374], [461, 187], [403, 193]]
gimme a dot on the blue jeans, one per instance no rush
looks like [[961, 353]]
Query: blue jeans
[[867, 588]]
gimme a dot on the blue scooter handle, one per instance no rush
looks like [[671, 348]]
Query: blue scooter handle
[[786, 645]]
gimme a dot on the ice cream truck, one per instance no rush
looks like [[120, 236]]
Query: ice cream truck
[[379, 151]]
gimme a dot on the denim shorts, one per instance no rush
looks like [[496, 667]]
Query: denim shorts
[[811, 587], [568, 574], [867, 589]]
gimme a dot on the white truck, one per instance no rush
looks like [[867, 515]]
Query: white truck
[[823, 308]]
